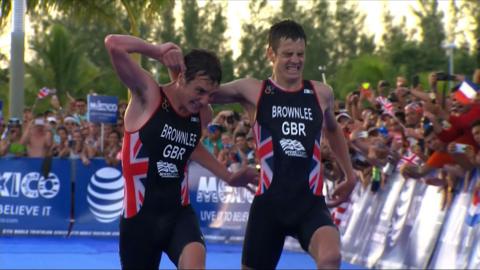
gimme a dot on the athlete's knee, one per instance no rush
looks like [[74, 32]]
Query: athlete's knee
[[192, 257], [328, 259]]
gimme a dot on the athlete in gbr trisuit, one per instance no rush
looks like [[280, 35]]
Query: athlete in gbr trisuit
[[163, 125], [290, 114]]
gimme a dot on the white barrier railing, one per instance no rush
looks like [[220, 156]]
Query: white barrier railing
[[403, 226]]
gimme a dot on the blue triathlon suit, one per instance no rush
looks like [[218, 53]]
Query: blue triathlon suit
[[157, 213], [289, 198]]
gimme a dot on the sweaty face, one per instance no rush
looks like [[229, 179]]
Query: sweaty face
[[288, 60], [197, 93]]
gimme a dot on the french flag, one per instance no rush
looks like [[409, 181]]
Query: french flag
[[467, 92]]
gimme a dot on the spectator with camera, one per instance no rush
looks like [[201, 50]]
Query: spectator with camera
[[467, 151], [10, 145], [457, 128], [77, 149], [112, 153], [92, 139], [228, 119], [61, 147]]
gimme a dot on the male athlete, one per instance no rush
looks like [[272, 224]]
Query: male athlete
[[162, 130], [290, 116]]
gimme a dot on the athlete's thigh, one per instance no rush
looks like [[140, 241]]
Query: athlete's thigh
[[186, 231], [138, 249], [264, 238], [317, 217]]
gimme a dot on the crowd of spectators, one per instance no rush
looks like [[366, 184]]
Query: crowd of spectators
[[62, 133], [426, 134]]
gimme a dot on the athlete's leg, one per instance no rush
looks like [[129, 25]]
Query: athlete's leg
[[186, 248], [264, 238], [325, 248], [192, 256], [318, 236], [137, 246]]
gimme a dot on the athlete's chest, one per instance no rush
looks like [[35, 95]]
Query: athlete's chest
[[171, 134], [296, 114]]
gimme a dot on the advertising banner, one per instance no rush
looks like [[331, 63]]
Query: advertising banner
[[102, 109], [222, 210], [30, 203], [98, 199]]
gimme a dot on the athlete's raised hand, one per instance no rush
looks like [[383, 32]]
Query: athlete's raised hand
[[341, 193], [171, 56]]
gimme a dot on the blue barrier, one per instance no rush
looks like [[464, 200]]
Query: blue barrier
[[98, 198], [31, 204]]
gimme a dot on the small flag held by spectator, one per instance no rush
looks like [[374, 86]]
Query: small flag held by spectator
[[43, 92], [387, 106], [467, 92]]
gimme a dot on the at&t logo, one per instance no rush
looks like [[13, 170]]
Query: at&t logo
[[105, 194]]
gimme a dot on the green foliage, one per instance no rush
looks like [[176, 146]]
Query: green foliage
[[252, 61], [69, 71], [348, 26], [335, 40], [365, 68], [432, 36], [318, 28]]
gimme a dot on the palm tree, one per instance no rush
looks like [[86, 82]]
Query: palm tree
[[136, 12]]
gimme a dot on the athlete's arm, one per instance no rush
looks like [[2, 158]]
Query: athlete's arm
[[241, 178], [244, 91], [336, 140], [144, 89]]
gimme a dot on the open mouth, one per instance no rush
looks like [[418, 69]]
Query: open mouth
[[293, 68]]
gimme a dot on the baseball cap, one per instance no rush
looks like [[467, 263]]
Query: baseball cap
[[14, 121], [52, 119], [343, 114], [39, 122], [71, 119]]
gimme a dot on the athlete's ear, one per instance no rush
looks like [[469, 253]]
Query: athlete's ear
[[181, 79], [270, 54]]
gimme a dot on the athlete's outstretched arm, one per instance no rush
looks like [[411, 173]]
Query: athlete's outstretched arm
[[337, 142], [243, 91], [241, 178]]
